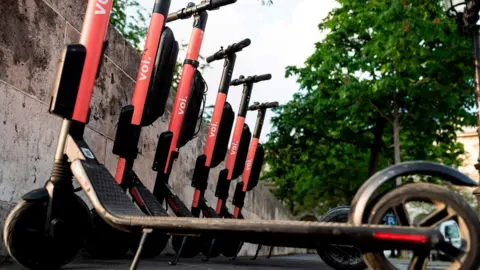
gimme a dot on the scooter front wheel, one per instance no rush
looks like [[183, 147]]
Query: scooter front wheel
[[104, 241], [443, 208], [28, 243]]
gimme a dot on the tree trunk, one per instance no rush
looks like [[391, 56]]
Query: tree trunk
[[376, 147], [396, 135]]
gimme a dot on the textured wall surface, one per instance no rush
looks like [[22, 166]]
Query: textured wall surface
[[32, 36]]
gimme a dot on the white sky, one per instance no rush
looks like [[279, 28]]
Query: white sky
[[282, 34]]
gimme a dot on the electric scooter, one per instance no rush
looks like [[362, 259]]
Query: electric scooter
[[215, 150], [48, 226], [148, 104], [236, 158]]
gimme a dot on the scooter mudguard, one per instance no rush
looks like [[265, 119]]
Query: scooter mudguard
[[36, 194], [127, 135], [200, 173], [239, 195], [161, 80], [364, 195], [65, 90], [256, 167], [242, 152], [224, 131]]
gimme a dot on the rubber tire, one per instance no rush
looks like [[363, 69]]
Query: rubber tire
[[230, 247], [154, 245], [192, 247], [35, 251], [337, 214], [424, 190], [106, 242]]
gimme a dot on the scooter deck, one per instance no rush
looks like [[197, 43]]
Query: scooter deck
[[111, 202], [149, 199]]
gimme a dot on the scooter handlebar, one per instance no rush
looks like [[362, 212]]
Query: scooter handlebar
[[220, 3], [191, 9], [264, 77], [251, 79], [234, 48], [266, 105]]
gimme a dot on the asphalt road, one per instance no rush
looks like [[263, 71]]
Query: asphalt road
[[296, 262]]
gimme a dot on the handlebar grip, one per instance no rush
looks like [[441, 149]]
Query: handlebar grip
[[242, 44], [269, 105], [264, 77], [266, 105], [211, 58], [219, 3], [216, 56]]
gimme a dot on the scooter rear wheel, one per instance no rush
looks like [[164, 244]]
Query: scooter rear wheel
[[154, 245], [230, 247], [340, 257], [29, 245], [446, 206], [106, 242]]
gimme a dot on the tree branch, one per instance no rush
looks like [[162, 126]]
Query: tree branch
[[380, 112]]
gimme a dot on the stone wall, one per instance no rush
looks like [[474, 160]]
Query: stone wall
[[32, 36]]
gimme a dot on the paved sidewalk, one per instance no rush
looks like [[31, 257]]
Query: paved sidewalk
[[296, 262]]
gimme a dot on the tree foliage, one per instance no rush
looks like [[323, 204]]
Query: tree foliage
[[133, 26], [130, 19], [382, 64]]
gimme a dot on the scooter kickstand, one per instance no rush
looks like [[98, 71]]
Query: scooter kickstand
[[256, 252], [238, 250], [177, 256], [136, 259], [270, 252], [207, 257]]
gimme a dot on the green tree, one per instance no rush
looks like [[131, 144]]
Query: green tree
[[391, 81], [130, 19], [133, 26]]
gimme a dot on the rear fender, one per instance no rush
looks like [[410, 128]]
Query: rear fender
[[370, 189]]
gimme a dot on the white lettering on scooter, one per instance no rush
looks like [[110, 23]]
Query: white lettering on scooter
[[213, 129], [100, 7], [183, 105], [145, 67], [248, 165], [234, 148]]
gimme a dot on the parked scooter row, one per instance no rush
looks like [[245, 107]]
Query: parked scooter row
[[148, 103], [49, 225]]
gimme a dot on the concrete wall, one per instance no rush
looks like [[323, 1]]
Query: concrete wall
[[31, 38]]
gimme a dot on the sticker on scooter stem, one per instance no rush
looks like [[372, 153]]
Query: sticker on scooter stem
[[87, 153]]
